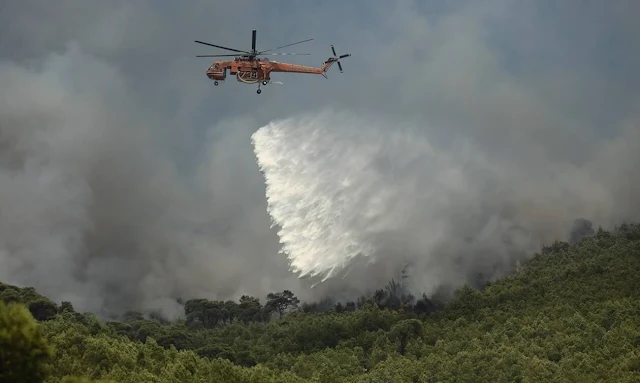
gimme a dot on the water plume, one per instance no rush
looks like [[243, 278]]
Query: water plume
[[362, 197]]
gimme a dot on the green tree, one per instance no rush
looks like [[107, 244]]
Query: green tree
[[66, 306], [405, 330], [43, 309], [82, 379], [280, 302], [24, 352]]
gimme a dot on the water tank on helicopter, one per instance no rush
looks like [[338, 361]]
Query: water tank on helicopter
[[249, 75]]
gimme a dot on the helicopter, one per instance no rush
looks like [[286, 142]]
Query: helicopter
[[251, 69]]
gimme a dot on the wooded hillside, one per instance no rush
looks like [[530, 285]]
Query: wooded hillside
[[569, 315]]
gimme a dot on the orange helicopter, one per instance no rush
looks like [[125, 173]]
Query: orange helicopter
[[250, 69]]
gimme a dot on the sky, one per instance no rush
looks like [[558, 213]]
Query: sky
[[128, 179]]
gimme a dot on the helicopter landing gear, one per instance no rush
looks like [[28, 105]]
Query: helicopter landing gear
[[264, 83], [259, 91], [215, 83]]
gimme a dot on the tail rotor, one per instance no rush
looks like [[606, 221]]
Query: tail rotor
[[337, 58]]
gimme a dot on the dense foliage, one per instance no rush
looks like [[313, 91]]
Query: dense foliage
[[568, 315]]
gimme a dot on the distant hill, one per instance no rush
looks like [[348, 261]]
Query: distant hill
[[571, 314]]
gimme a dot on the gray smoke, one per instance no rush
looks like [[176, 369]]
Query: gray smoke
[[92, 212], [581, 228]]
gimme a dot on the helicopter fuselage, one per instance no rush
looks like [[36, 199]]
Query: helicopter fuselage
[[253, 71]]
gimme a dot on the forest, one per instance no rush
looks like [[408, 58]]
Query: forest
[[569, 314]]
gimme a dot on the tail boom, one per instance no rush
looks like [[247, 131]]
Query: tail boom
[[293, 68]]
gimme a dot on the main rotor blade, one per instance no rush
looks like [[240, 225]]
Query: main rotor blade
[[284, 46], [216, 55], [221, 47], [334, 50], [340, 66], [287, 54], [343, 56], [253, 41]]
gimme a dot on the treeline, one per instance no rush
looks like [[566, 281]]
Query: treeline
[[570, 314], [203, 315]]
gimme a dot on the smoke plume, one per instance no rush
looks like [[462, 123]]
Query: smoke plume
[[92, 211]]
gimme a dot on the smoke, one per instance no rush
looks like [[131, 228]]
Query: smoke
[[348, 190], [83, 194], [92, 211], [581, 228]]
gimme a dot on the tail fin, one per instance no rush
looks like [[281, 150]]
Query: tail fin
[[334, 59]]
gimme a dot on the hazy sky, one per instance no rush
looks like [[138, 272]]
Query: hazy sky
[[127, 178]]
